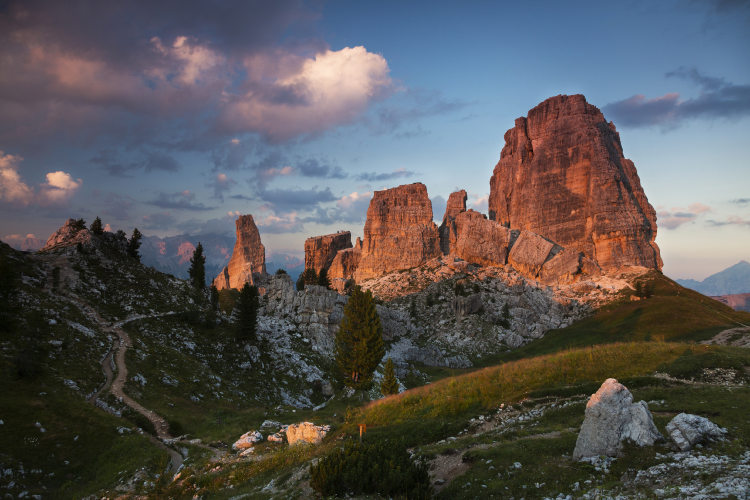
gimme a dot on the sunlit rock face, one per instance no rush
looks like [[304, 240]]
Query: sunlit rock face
[[344, 265], [399, 232], [248, 259], [563, 176], [321, 250]]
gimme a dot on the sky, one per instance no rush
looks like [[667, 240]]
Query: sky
[[177, 116]]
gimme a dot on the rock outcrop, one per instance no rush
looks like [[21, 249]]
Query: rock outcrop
[[529, 253], [479, 240], [306, 432], [344, 265], [563, 176], [248, 261], [399, 232], [687, 430], [456, 204], [612, 418], [68, 234], [247, 440], [321, 250]]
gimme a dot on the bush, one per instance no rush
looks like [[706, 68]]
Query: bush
[[383, 468], [280, 271]]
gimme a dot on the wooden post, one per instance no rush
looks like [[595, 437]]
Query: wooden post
[[362, 430]]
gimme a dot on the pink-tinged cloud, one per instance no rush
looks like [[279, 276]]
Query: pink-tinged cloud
[[58, 189], [306, 95], [478, 202], [185, 251], [674, 218]]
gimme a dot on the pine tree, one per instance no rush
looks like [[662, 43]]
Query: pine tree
[[389, 385], [323, 278], [197, 269], [359, 341], [134, 243], [246, 311], [214, 298], [96, 227]]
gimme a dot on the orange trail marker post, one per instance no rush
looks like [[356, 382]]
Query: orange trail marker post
[[362, 430]]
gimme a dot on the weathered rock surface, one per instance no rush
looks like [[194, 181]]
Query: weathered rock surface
[[456, 204], [399, 232], [306, 432], [463, 306], [563, 267], [612, 418], [344, 265], [67, 235], [248, 261], [247, 440], [321, 250], [529, 253], [562, 175], [479, 240], [687, 430]]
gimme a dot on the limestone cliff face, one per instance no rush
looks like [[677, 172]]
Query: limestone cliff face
[[248, 257], [344, 265], [456, 204], [399, 232], [562, 175], [321, 250]]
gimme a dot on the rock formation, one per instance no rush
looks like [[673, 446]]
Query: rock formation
[[306, 432], [456, 204], [563, 176], [343, 266], [68, 234], [479, 240], [399, 232], [687, 430], [529, 253], [612, 418], [321, 250], [248, 257]]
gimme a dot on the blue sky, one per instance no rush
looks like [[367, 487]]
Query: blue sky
[[174, 117]]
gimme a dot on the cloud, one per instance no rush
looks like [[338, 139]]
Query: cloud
[[158, 221], [741, 201], [274, 224], [285, 200], [478, 202], [385, 176], [438, 207], [314, 168], [732, 220], [221, 184], [408, 107], [160, 161], [717, 99], [57, 190], [28, 242], [289, 96], [183, 200], [672, 219]]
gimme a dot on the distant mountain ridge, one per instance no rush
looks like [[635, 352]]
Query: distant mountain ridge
[[730, 281]]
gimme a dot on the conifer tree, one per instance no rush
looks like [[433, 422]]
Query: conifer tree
[[96, 227], [134, 243], [389, 385], [323, 278], [214, 298], [197, 269], [359, 341], [246, 311]]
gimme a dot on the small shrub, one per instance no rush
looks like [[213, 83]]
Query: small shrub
[[280, 271], [383, 468]]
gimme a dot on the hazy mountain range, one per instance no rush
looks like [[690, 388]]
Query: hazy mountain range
[[732, 280]]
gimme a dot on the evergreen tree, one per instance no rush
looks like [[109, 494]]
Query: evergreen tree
[[96, 227], [214, 298], [359, 341], [308, 277], [134, 243], [389, 385], [197, 269], [246, 313], [79, 225], [323, 278]]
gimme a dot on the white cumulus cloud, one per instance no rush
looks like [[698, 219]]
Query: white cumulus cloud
[[58, 189]]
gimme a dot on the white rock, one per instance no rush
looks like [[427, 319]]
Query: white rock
[[306, 432], [247, 440], [688, 430], [611, 419]]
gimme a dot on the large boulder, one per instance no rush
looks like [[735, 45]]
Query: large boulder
[[247, 440], [399, 232], [321, 250], [563, 176], [248, 261], [479, 240], [529, 253], [687, 430], [611, 419], [306, 432]]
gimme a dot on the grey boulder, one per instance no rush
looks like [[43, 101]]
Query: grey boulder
[[687, 430], [611, 419]]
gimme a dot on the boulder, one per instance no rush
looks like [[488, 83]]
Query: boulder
[[276, 437], [463, 306], [321, 250], [687, 430], [529, 253], [611, 419], [247, 440], [562, 175], [306, 432], [563, 267], [248, 261], [399, 232], [479, 240]]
